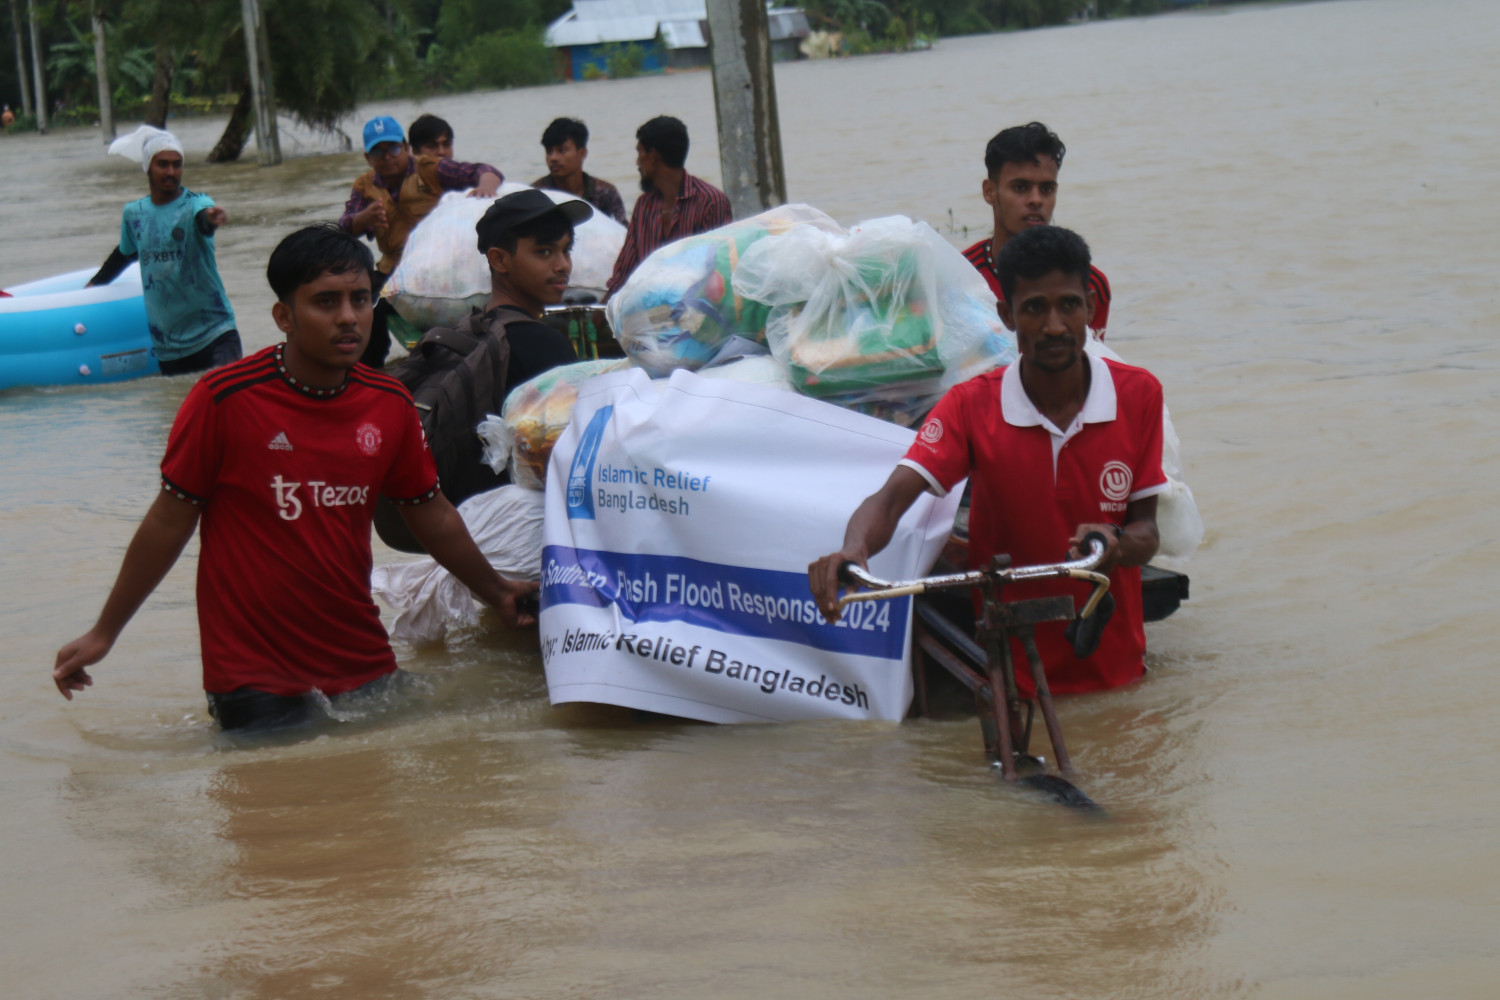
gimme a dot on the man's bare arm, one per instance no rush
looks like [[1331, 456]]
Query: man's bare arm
[[158, 542], [1136, 542], [869, 531], [442, 532]]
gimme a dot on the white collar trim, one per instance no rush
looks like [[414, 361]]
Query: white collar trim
[[1098, 408]]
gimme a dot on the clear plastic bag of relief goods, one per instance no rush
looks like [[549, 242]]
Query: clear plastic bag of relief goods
[[442, 275], [534, 416], [681, 305], [883, 320], [506, 524]]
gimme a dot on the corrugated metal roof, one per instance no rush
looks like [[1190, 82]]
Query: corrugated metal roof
[[592, 22], [683, 34]]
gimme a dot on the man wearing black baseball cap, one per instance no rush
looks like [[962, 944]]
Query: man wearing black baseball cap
[[458, 376]]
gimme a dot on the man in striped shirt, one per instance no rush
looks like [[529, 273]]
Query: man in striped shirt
[[673, 203], [1021, 189]]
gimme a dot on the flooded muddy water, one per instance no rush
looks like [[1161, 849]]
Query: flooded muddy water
[[1295, 205]]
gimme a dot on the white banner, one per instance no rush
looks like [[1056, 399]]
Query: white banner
[[681, 517]]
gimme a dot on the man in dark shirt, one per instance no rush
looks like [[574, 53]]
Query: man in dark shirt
[[566, 141], [527, 238], [673, 203], [1020, 186]]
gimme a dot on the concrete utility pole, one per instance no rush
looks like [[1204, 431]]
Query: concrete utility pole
[[258, 51], [38, 81], [15, 24], [101, 70], [745, 102]]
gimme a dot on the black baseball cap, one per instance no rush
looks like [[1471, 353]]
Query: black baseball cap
[[521, 207]]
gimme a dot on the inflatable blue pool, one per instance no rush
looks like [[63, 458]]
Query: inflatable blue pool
[[57, 332]]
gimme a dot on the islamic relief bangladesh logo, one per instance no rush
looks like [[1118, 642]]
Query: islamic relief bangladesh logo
[[932, 431], [581, 472], [1115, 481], [367, 438]]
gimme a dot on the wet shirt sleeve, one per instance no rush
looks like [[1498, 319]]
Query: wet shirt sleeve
[[1149, 479], [127, 238], [412, 477], [457, 176], [940, 454], [194, 448], [630, 251], [357, 203]]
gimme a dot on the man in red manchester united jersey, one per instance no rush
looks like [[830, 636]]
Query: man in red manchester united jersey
[[1020, 186], [1057, 445], [280, 457]]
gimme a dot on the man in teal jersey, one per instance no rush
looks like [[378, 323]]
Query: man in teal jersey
[[171, 233]]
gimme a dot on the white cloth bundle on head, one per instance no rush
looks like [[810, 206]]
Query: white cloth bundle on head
[[144, 143]]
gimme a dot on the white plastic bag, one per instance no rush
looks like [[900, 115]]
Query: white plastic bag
[[442, 275], [506, 524], [681, 304]]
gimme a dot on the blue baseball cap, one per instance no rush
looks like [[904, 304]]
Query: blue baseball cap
[[382, 129]]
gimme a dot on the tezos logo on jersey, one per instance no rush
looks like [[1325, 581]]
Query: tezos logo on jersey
[[289, 503], [368, 439], [1115, 481], [932, 431], [581, 475]]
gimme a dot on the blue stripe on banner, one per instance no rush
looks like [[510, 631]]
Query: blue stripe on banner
[[737, 600]]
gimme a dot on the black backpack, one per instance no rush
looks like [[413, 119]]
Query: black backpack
[[457, 377]]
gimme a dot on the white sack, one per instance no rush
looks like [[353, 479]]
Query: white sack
[[681, 516], [506, 524], [442, 275]]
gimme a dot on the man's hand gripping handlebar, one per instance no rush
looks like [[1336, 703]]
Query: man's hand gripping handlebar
[[1076, 569]]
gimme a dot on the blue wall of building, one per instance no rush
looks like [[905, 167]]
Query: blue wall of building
[[584, 56]]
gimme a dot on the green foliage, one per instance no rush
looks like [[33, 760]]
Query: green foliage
[[504, 59], [71, 74], [1126, 8], [23, 123], [463, 22], [331, 54], [861, 18], [622, 61]]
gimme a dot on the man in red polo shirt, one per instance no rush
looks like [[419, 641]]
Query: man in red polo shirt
[[1021, 189], [1059, 444]]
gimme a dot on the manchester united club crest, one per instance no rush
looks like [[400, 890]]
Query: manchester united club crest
[[367, 438]]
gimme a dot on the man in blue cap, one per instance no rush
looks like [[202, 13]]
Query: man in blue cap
[[396, 193]]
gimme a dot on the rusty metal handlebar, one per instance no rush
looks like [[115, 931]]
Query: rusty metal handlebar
[[1076, 569]]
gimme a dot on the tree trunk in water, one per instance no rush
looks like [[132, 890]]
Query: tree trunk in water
[[161, 87], [101, 71], [232, 143], [15, 23], [38, 82]]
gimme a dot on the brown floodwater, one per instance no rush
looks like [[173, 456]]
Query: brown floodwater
[[1295, 205]]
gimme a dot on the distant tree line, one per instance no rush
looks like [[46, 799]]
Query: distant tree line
[[170, 57]]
